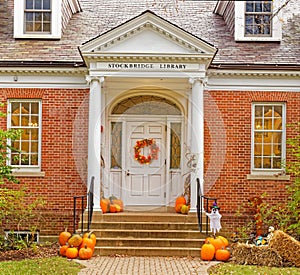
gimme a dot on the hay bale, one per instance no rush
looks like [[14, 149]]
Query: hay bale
[[286, 246], [248, 254]]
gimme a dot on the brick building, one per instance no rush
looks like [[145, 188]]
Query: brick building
[[213, 84]]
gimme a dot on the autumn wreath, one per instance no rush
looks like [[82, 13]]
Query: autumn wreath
[[153, 150]]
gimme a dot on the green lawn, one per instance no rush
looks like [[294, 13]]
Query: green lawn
[[233, 269], [53, 266]]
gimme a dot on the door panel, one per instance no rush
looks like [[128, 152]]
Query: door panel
[[145, 183]]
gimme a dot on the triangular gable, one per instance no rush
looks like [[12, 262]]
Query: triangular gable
[[147, 35]]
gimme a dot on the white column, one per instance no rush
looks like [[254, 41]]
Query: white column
[[197, 139], [94, 137]]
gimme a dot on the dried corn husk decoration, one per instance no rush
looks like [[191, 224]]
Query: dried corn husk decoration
[[286, 246], [249, 254]]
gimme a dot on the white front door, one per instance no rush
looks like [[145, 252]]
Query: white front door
[[145, 183]]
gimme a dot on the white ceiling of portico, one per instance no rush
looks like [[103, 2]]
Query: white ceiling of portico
[[147, 38]]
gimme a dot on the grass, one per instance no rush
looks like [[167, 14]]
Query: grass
[[233, 269], [53, 266]]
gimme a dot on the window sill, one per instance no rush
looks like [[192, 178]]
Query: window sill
[[267, 177], [28, 174]]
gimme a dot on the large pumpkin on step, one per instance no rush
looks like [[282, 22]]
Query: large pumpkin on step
[[105, 203], [180, 200]]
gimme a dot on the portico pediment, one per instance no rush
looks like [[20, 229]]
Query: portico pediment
[[147, 38]]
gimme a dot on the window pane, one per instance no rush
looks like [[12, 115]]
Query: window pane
[[249, 6], [175, 146], [38, 4], [267, 7], [116, 145], [29, 4], [46, 5], [258, 7], [47, 17]]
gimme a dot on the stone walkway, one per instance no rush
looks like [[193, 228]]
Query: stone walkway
[[126, 265]]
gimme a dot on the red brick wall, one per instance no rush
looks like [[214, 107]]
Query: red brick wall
[[64, 152], [231, 111]]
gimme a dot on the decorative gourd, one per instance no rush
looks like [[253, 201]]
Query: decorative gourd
[[72, 252], [222, 255], [63, 250], [85, 253], [178, 208], [75, 240], [180, 200], [207, 252], [91, 236], [105, 203], [185, 209], [64, 237], [216, 242]]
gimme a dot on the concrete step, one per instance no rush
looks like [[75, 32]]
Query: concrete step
[[149, 242], [148, 251], [146, 233], [144, 225]]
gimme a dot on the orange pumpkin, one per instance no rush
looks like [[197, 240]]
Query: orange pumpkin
[[85, 253], [207, 252], [113, 208], [75, 240], [105, 203], [180, 200], [87, 242], [72, 252], [216, 242], [178, 207], [119, 203], [225, 241], [222, 255], [63, 250], [91, 236], [64, 237]]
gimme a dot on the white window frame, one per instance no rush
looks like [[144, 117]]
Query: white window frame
[[27, 168], [239, 33], [19, 8], [269, 171]]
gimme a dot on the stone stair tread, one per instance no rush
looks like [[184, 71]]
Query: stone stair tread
[[146, 230], [149, 239], [147, 248]]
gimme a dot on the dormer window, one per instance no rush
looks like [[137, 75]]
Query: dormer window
[[39, 19], [254, 21], [258, 18], [37, 16]]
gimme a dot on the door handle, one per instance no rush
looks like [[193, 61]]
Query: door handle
[[128, 173]]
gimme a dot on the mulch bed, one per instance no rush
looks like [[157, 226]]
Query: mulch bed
[[37, 252]]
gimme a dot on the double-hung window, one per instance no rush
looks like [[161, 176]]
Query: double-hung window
[[268, 137], [258, 20], [39, 19], [25, 115]]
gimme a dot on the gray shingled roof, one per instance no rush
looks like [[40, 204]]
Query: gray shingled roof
[[196, 17]]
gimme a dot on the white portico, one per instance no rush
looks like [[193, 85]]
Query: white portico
[[146, 85]]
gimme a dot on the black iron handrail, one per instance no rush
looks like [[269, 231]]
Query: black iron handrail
[[200, 199], [90, 206]]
